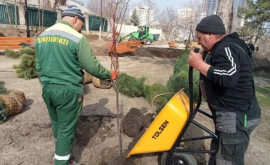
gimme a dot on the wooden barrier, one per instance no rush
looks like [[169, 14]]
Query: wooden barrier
[[172, 45], [124, 47], [14, 42], [135, 43]]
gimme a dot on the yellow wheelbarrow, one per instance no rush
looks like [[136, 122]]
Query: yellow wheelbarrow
[[165, 134]]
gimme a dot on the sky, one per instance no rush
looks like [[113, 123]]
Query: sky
[[162, 4]]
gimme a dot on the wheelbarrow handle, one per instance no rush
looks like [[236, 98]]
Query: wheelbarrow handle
[[190, 85]]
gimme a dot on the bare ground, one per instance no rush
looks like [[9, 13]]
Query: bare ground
[[26, 138]]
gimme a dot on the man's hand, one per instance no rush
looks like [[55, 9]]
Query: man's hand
[[115, 74], [195, 60]]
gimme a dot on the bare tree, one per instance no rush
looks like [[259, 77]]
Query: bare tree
[[7, 11], [180, 27], [39, 23], [118, 10], [168, 23], [225, 11], [94, 6], [15, 13], [47, 4], [58, 2]]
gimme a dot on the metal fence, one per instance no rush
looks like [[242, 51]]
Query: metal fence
[[4, 16], [49, 17], [94, 23]]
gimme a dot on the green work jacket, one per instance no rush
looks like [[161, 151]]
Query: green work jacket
[[62, 53]]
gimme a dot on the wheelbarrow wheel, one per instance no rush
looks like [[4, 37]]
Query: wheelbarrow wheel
[[178, 159]]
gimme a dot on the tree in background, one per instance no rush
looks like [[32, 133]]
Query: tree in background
[[168, 22], [256, 16], [77, 1], [58, 2], [225, 11], [134, 19], [94, 6]]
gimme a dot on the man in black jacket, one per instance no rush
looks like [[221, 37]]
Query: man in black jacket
[[227, 84]]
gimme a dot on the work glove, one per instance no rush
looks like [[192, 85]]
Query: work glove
[[115, 74]]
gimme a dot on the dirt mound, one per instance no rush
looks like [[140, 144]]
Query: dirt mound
[[134, 122], [92, 36], [158, 52]]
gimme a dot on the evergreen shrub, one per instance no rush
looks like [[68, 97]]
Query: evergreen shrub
[[135, 87], [3, 90], [27, 50], [27, 68], [3, 112], [131, 86], [3, 108], [156, 89], [179, 79], [11, 53]]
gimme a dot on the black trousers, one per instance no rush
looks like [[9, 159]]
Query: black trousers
[[233, 137]]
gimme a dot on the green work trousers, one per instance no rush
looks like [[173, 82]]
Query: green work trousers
[[64, 106]]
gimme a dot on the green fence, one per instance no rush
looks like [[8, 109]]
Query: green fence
[[4, 16], [49, 17], [94, 23]]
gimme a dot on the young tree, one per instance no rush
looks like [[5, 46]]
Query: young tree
[[118, 10], [134, 18], [256, 17]]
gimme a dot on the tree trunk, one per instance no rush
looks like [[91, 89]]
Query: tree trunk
[[225, 11], [54, 4], [16, 28], [9, 19], [100, 26], [42, 11], [39, 15]]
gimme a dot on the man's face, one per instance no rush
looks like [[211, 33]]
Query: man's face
[[78, 24], [204, 40]]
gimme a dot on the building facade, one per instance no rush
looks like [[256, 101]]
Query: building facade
[[144, 13], [186, 13]]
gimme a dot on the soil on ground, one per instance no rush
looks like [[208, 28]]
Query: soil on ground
[[26, 139]]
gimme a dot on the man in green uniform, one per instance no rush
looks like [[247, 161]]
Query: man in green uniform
[[62, 53]]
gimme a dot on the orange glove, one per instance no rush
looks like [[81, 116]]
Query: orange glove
[[115, 74]]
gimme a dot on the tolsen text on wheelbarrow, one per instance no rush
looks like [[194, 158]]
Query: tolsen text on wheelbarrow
[[160, 129]]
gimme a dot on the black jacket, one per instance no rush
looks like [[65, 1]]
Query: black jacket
[[229, 80]]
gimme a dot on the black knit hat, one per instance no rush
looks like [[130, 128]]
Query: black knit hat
[[211, 24], [73, 11]]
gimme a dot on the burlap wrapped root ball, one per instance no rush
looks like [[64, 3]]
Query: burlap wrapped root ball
[[103, 84], [87, 77], [18, 94], [14, 101]]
